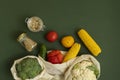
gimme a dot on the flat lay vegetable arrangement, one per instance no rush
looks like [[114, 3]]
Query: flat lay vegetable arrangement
[[56, 64]]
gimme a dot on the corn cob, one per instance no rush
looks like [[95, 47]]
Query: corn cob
[[72, 52], [92, 46]]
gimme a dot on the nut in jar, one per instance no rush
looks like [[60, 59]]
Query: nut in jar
[[35, 24], [27, 42]]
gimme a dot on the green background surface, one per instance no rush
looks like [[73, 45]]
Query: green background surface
[[101, 18]]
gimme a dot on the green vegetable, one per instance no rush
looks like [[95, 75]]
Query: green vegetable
[[94, 68], [43, 51], [28, 68], [76, 66]]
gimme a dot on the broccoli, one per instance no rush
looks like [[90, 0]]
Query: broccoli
[[28, 68]]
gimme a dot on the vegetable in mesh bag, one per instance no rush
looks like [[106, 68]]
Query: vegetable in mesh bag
[[29, 68], [84, 67], [57, 70]]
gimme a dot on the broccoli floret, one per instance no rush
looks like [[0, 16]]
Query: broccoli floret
[[28, 68]]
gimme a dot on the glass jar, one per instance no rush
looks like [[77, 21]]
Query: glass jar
[[35, 24], [27, 42]]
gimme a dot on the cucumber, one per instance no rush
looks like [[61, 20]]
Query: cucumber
[[43, 51]]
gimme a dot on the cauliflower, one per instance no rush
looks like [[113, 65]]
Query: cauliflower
[[28, 68], [84, 70]]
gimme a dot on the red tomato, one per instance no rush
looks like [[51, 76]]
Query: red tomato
[[55, 57], [52, 36]]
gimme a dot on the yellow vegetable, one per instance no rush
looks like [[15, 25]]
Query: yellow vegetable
[[89, 42], [67, 41], [72, 52]]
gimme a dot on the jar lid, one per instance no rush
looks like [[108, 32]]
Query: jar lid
[[21, 37], [35, 24]]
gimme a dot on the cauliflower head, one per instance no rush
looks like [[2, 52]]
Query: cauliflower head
[[85, 70]]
